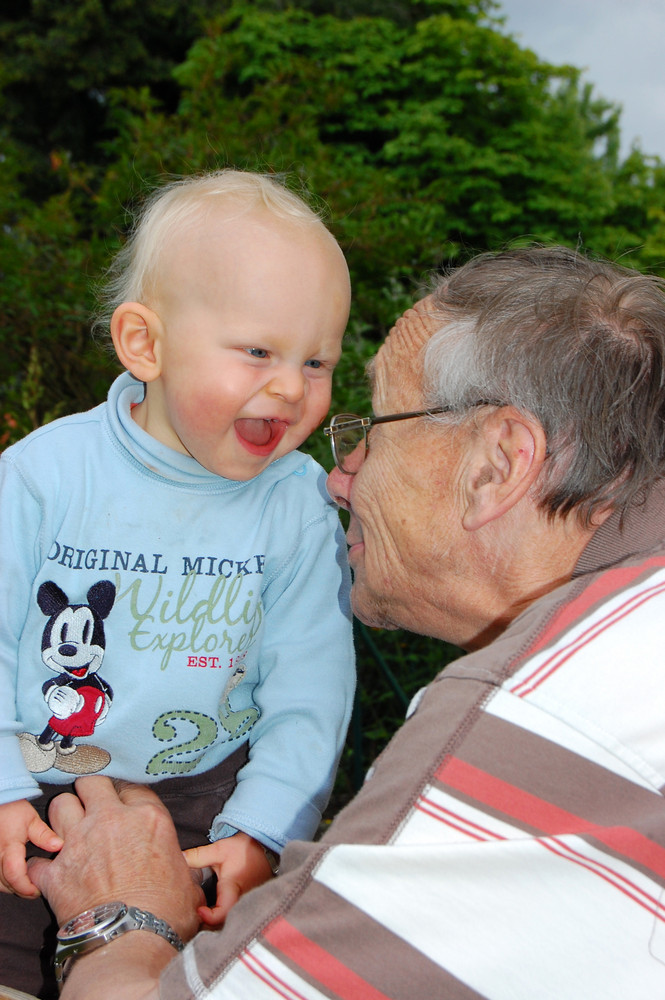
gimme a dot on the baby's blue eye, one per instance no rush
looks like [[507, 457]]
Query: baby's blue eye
[[257, 352], [313, 364]]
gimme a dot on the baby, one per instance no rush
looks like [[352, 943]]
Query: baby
[[173, 576]]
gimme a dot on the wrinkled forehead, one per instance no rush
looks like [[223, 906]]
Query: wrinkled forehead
[[396, 373]]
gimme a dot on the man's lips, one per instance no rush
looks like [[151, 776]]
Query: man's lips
[[354, 539], [354, 548], [258, 436]]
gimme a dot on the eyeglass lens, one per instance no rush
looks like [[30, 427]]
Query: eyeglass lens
[[345, 443]]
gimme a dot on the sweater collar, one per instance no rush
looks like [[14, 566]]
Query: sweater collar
[[165, 462], [643, 527]]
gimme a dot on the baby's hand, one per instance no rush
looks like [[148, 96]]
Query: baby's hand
[[20, 823], [240, 864]]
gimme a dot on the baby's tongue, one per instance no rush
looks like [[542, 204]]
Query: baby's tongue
[[255, 431]]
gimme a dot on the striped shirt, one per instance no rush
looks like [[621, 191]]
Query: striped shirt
[[509, 843]]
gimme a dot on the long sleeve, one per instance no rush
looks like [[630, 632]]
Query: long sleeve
[[305, 692], [204, 613], [20, 528]]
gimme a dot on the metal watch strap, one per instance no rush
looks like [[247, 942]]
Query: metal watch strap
[[129, 918], [272, 859]]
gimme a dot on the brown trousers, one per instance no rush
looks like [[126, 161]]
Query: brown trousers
[[28, 928]]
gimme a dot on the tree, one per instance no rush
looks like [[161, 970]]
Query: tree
[[427, 135], [48, 365], [425, 142], [60, 59]]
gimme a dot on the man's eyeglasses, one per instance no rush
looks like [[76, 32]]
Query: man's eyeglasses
[[347, 432]]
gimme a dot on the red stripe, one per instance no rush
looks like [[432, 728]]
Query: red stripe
[[453, 826], [319, 964], [267, 976], [605, 586], [455, 821], [542, 673], [546, 817], [614, 878]]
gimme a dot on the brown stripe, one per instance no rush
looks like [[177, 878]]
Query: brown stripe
[[558, 776], [256, 910], [379, 957]]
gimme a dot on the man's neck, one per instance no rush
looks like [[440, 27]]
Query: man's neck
[[537, 556]]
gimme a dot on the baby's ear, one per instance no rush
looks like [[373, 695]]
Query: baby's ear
[[136, 332]]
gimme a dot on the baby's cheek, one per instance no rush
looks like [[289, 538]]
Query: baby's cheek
[[318, 404]]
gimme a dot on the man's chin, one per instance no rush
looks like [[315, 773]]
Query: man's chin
[[368, 611]]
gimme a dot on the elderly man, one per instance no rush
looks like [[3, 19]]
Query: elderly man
[[510, 841]]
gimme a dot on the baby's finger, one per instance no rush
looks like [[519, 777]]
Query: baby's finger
[[228, 894], [43, 836], [197, 857], [36, 869], [211, 916], [14, 873]]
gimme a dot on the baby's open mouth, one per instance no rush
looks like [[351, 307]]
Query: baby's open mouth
[[261, 436]]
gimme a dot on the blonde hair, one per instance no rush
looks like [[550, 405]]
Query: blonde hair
[[173, 207]]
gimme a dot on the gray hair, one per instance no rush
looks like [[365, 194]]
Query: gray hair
[[577, 343], [173, 207]]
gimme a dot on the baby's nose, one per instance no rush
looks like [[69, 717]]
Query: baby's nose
[[289, 383]]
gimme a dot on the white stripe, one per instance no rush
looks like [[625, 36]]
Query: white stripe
[[584, 679], [641, 889], [532, 718], [610, 613], [440, 818], [505, 915], [259, 975]]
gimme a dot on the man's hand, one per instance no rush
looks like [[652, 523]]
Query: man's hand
[[240, 864], [120, 844], [19, 824]]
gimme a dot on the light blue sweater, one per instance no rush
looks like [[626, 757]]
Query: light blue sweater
[[155, 615]]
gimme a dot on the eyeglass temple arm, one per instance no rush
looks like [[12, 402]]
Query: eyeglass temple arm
[[359, 422], [407, 416]]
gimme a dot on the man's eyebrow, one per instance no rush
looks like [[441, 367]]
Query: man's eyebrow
[[370, 372]]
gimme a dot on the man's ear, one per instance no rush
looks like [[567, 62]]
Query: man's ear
[[507, 456], [137, 333]]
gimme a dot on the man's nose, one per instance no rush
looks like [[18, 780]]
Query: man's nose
[[339, 487], [289, 383]]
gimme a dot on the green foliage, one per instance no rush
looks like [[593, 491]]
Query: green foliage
[[59, 60], [426, 134], [426, 143], [48, 364]]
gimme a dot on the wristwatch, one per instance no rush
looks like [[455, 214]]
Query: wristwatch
[[96, 927], [272, 859]]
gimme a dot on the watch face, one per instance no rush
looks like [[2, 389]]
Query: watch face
[[92, 920]]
